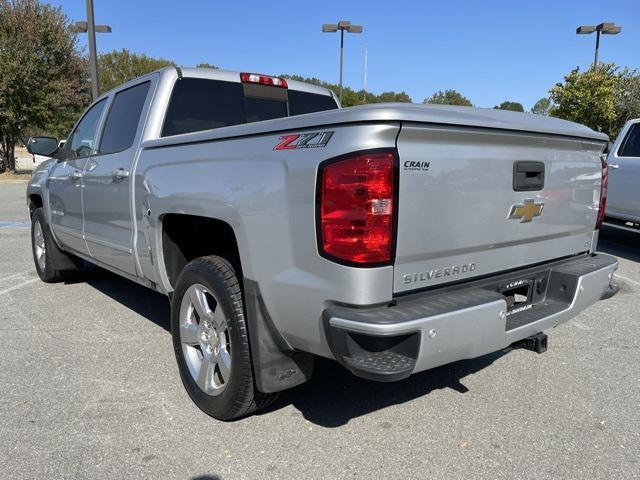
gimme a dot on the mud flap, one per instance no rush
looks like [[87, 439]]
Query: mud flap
[[276, 365]]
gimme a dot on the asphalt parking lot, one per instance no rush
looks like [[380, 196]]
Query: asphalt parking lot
[[89, 389]]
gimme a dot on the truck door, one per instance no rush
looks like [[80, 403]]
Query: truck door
[[65, 181], [108, 224], [623, 193]]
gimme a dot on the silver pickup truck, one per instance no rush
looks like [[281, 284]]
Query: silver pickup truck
[[393, 238]]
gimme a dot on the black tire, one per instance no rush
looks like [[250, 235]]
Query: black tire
[[55, 265], [239, 396]]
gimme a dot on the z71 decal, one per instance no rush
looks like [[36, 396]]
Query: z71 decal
[[303, 140]]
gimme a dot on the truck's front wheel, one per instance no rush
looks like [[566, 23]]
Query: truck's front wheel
[[210, 340], [52, 264]]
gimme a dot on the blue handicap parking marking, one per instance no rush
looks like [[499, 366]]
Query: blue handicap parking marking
[[15, 224]]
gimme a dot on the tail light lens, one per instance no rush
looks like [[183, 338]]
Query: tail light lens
[[603, 191], [356, 208]]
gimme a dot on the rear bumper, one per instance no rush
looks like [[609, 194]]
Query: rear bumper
[[427, 330]]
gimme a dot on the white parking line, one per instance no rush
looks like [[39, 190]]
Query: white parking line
[[20, 285], [626, 279], [16, 275], [580, 326]]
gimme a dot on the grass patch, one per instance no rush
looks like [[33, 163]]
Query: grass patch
[[15, 177]]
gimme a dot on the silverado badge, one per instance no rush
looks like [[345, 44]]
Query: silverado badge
[[526, 211]]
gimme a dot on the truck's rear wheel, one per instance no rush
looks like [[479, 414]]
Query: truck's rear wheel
[[211, 342], [48, 258]]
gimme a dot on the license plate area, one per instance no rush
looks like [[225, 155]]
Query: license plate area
[[518, 295]]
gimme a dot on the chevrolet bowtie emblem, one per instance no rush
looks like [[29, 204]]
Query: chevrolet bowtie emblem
[[526, 211]]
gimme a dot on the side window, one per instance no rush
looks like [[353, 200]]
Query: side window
[[631, 145], [81, 140], [124, 116]]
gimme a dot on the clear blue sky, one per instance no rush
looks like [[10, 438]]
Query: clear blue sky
[[489, 50]]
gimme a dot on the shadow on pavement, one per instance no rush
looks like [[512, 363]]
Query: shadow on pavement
[[152, 305], [620, 243], [333, 396]]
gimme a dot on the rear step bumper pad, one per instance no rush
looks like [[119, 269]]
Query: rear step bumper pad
[[390, 343]]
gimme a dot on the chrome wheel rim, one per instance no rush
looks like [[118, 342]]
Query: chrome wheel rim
[[204, 337], [38, 243]]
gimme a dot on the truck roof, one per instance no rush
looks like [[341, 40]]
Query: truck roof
[[224, 75]]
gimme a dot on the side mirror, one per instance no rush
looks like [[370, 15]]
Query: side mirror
[[46, 146]]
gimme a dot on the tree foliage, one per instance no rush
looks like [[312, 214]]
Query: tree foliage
[[448, 97], [43, 79], [120, 66], [513, 106], [206, 65], [588, 98], [542, 107], [352, 97], [626, 98]]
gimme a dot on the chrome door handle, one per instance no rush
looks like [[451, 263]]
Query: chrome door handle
[[120, 174], [614, 166], [75, 175]]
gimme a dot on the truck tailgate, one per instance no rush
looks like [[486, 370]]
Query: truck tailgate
[[457, 194]]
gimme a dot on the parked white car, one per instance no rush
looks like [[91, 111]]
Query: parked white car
[[623, 195]]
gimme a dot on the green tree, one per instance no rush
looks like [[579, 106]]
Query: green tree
[[120, 66], [626, 98], [588, 98], [513, 106], [448, 97], [43, 79], [542, 106], [206, 65], [351, 97]]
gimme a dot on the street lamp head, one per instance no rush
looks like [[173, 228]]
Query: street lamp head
[[355, 29], [344, 24], [585, 29], [329, 27], [609, 28], [606, 28], [83, 27]]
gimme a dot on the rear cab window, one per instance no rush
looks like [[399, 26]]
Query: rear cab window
[[198, 104]]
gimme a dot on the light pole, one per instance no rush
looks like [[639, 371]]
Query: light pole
[[607, 28], [343, 25], [91, 28]]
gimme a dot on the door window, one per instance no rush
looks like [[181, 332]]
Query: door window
[[631, 144], [123, 119], [83, 137]]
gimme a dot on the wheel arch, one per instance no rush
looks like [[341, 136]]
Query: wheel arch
[[185, 237], [34, 201]]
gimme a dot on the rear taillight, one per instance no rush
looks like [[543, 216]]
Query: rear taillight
[[263, 80], [356, 208], [603, 191]]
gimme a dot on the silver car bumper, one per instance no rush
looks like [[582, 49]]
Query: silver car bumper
[[427, 330]]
